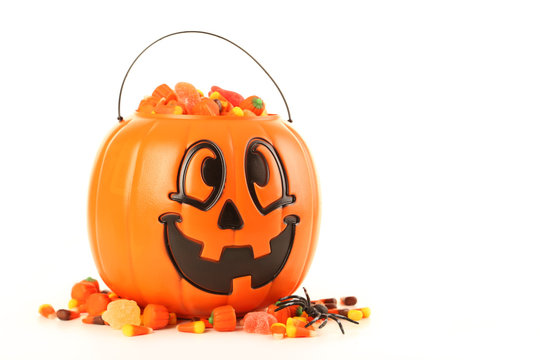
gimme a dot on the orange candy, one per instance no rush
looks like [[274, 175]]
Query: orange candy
[[135, 330], [253, 104], [223, 318], [188, 96], [196, 327], [82, 290], [278, 330], [206, 107], [97, 303], [46, 310], [163, 91], [299, 331], [155, 316]]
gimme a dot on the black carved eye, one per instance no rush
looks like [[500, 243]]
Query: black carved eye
[[203, 167], [257, 168], [212, 172], [266, 177]]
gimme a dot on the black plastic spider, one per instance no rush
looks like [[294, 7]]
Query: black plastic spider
[[316, 311]]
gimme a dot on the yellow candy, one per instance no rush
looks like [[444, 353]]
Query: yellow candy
[[72, 304], [238, 111], [122, 312], [355, 315], [366, 312], [178, 110]]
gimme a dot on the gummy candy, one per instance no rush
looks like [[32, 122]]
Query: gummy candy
[[122, 312], [206, 107], [259, 322], [188, 96]]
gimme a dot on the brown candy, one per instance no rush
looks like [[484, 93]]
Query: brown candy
[[348, 300], [65, 315]]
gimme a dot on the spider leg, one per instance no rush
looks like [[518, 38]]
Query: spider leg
[[331, 316], [287, 304], [314, 320], [291, 297], [307, 296], [325, 320], [344, 318]]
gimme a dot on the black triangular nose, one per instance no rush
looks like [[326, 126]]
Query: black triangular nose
[[230, 218]]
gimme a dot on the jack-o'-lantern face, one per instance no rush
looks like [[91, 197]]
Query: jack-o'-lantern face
[[216, 276], [196, 212]]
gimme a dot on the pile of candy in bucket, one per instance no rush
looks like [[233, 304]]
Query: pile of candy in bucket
[[292, 316], [185, 99]]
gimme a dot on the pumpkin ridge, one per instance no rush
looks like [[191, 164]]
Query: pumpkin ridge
[[129, 212], [313, 230], [94, 234]]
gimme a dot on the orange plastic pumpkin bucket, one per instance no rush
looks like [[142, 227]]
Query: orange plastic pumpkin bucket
[[194, 212]]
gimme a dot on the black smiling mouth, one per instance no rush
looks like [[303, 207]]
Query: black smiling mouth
[[216, 277]]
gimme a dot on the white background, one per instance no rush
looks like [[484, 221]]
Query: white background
[[423, 120]]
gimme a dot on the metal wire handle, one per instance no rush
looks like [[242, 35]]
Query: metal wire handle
[[120, 118]]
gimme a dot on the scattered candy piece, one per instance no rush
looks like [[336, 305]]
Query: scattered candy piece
[[223, 318], [258, 322], [163, 91], [355, 315], [188, 96], [299, 331], [196, 327], [366, 312], [327, 301], [122, 312], [73, 304], [205, 321], [234, 98], [283, 314], [206, 106], [82, 290], [155, 316], [172, 319], [95, 320], [348, 300], [97, 303], [237, 111], [226, 106], [46, 310], [135, 330], [278, 330], [253, 104], [299, 321], [66, 315]]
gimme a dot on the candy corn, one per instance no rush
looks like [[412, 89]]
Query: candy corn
[[196, 327], [299, 331], [135, 330], [65, 315], [95, 320], [46, 310], [278, 330]]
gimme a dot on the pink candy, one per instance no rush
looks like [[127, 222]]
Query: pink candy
[[259, 322]]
